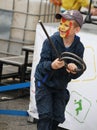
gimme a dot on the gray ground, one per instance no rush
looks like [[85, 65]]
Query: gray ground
[[8, 122]]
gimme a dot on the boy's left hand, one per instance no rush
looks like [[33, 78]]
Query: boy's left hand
[[71, 67]]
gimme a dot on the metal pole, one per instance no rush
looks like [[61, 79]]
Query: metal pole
[[50, 41]]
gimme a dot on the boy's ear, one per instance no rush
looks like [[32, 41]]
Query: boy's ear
[[77, 29]]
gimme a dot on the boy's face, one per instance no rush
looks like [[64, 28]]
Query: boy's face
[[66, 28]]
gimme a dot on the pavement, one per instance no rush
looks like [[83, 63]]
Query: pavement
[[15, 100]]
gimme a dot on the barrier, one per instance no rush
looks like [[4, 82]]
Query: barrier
[[14, 87], [14, 112]]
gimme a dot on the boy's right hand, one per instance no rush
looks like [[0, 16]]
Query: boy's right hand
[[71, 67], [57, 64]]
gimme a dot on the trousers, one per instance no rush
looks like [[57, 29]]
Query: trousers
[[47, 124], [51, 104]]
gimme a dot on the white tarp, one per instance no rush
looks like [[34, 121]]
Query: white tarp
[[81, 109]]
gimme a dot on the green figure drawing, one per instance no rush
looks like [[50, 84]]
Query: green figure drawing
[[79, 108]]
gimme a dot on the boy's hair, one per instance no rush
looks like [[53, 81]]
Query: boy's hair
[[75, 24]]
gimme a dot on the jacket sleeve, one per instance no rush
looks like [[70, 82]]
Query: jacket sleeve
[[84, 3], [44, 65], [80, 53]]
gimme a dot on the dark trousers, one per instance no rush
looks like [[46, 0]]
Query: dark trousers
[[51, 104], [47, 124]]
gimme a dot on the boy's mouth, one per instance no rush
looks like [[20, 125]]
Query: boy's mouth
[[63, 32]]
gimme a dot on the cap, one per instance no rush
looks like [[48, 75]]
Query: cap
[[71, 15]]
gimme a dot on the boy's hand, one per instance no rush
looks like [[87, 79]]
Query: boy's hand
[[57, 64], [71, 67]]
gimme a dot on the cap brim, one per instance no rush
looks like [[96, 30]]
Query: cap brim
[[66, 16]]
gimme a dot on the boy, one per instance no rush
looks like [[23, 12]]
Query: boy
[[51, 77]]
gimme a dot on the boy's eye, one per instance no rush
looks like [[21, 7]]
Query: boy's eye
[[60, 23], [66, 25]]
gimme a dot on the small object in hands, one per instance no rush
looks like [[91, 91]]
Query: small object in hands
[[81, 66]]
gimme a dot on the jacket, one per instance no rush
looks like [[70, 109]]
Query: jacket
[[56, 78], [74, 4]]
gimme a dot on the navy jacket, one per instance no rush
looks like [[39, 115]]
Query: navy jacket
[[56, 78]]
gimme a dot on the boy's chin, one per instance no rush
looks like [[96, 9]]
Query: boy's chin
[[63, 36]]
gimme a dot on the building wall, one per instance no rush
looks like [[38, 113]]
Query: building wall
[[25, 16]]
